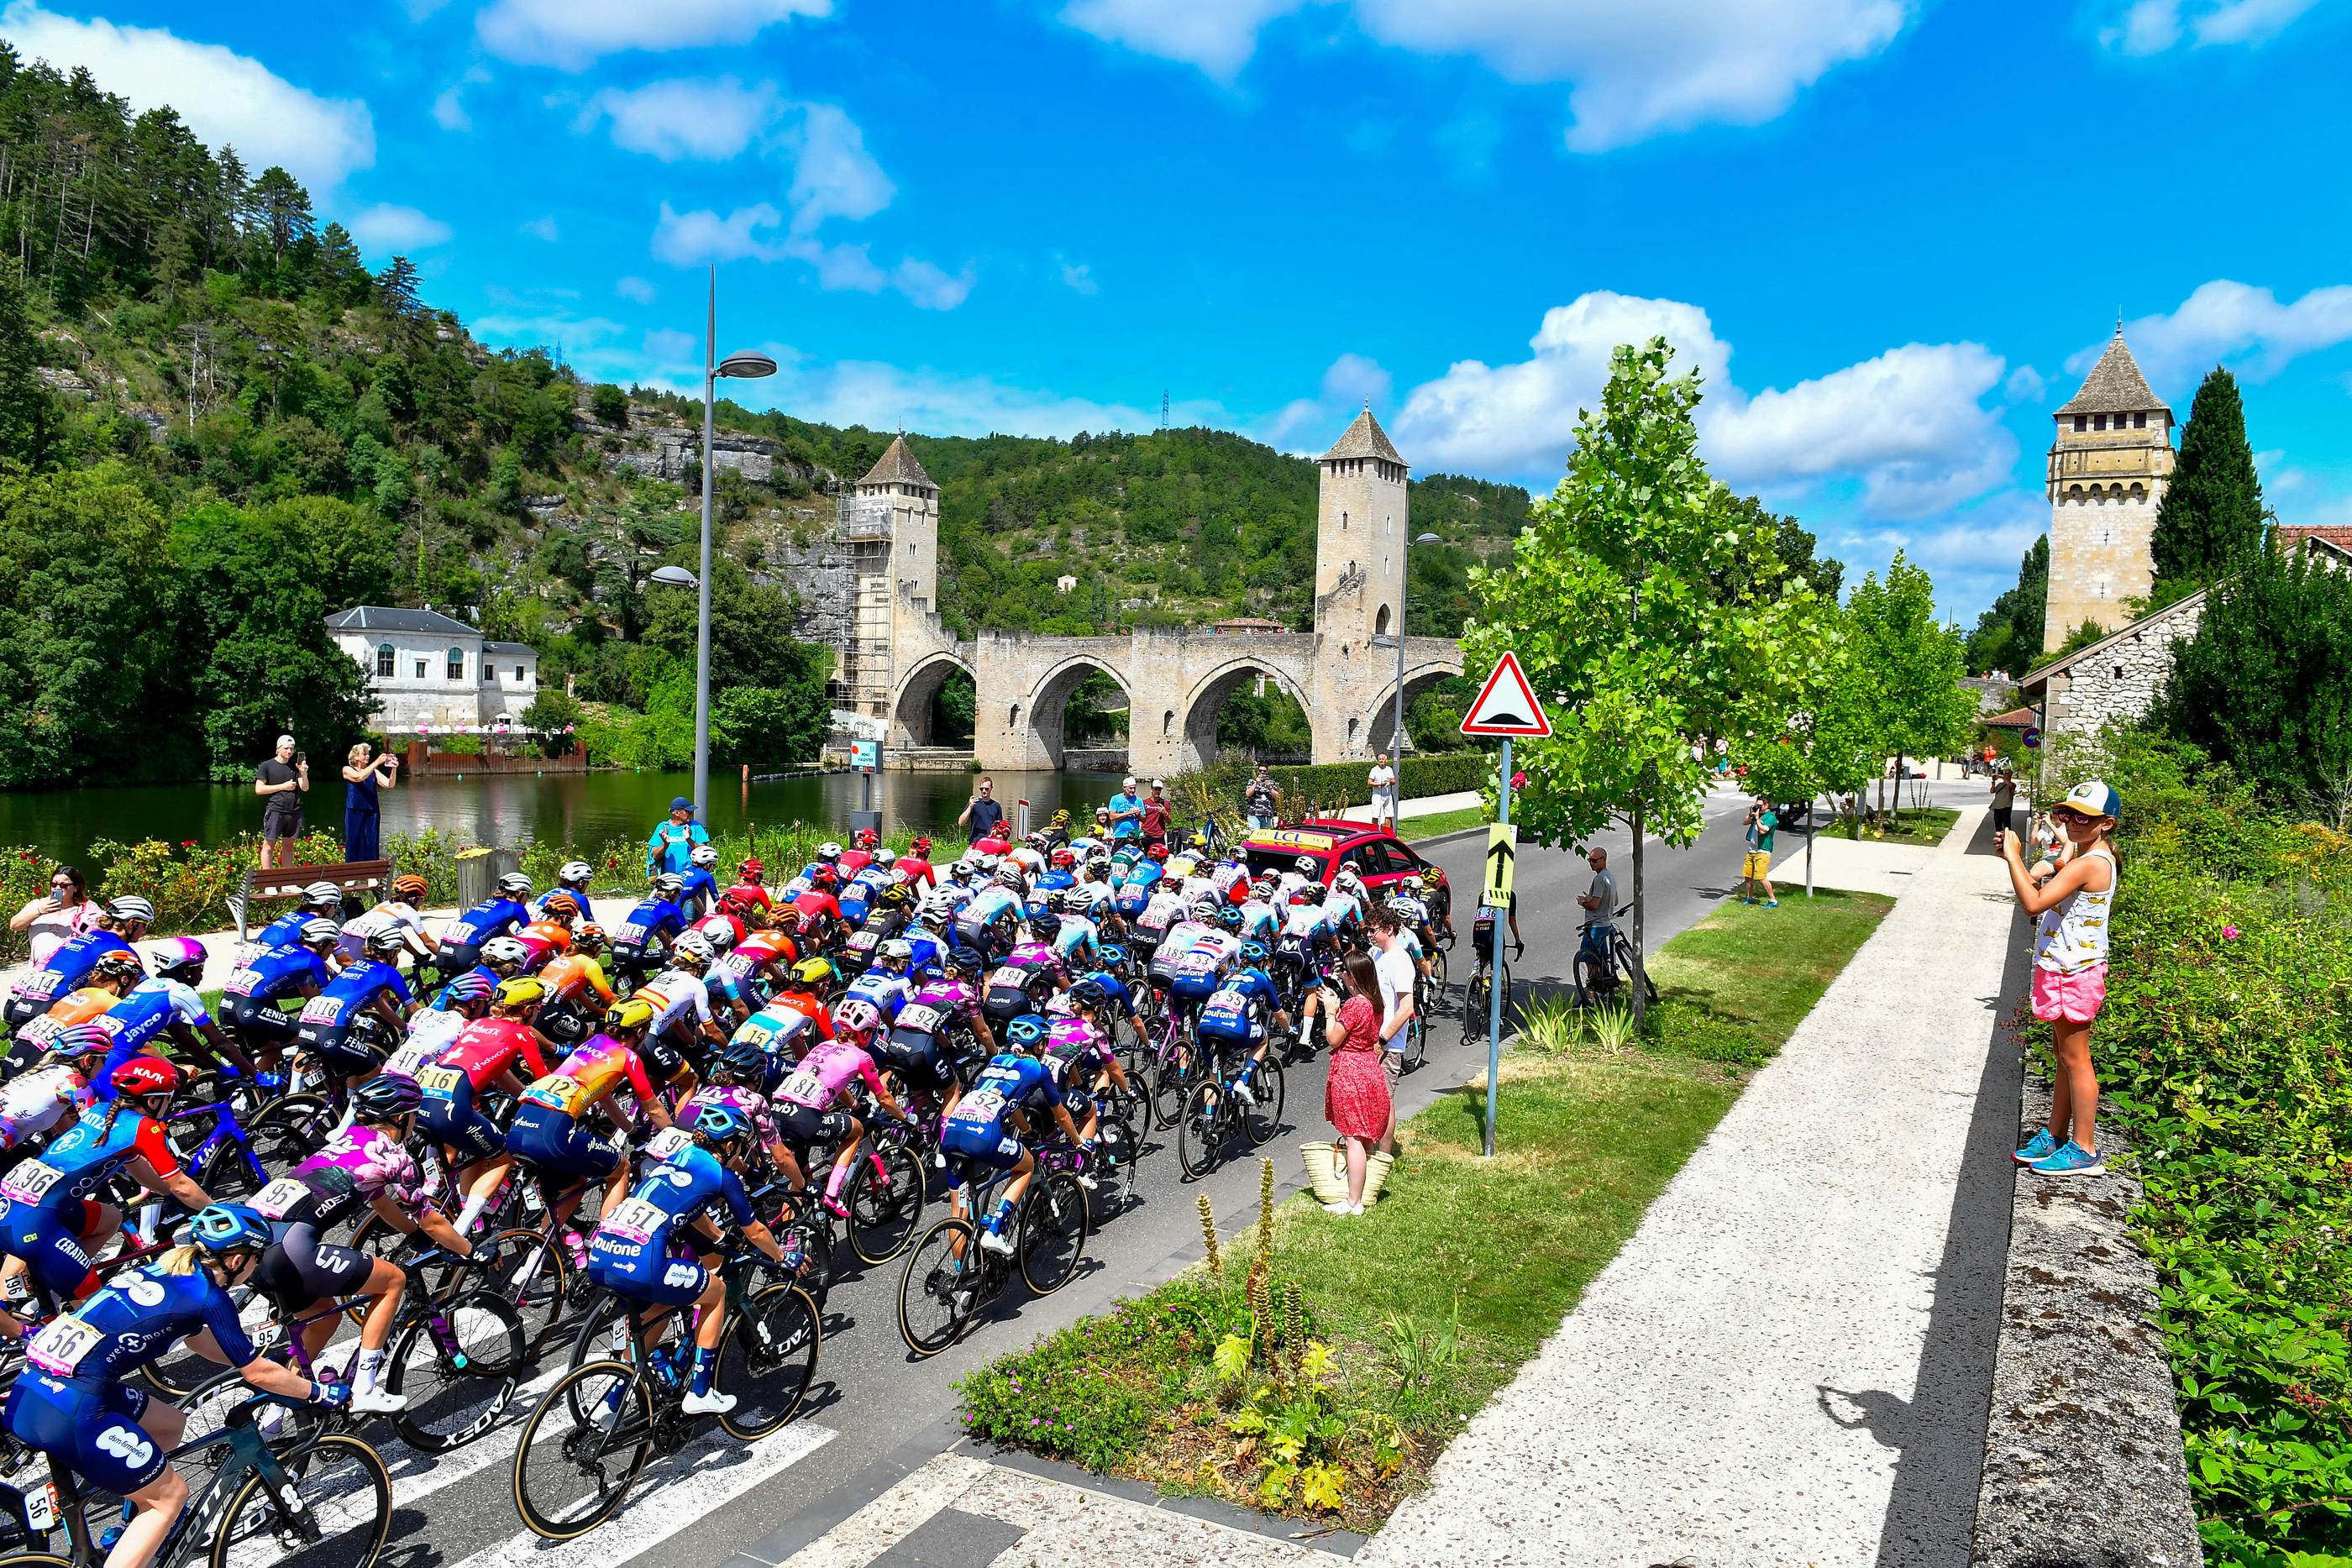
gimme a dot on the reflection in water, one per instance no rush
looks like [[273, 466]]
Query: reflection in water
[[584, 810]]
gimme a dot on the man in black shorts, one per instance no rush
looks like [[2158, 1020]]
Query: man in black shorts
[[282, 781]]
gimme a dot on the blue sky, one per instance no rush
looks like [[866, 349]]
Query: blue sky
[[1893, 234]]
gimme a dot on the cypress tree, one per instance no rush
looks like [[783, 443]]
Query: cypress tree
[[2211, 518]]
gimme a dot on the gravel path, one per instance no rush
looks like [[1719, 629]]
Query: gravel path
[[1789, 1362]]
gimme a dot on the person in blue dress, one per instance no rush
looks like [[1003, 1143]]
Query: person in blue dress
[[73, 1400], [361, 778]]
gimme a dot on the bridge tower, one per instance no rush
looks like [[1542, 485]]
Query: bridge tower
[[892, 526], [1360, 529]]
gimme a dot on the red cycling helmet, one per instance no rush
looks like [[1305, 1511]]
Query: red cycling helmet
[[752, 870], [1158, 851], [145, 1075], [1062, 859], [823, 876], [921, 847], [866, 838]]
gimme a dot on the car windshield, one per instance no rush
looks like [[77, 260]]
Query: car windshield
[[1274, 862]]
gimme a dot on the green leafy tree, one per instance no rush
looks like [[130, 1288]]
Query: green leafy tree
[[551, 715], [395, 289], [1611, 604], [2210, 519], [750, 639], [769, 724], [1911, 664], [27, 411], [610, 405], [284, 208], [2266, 685]]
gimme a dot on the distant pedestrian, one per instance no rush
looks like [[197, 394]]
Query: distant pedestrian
[[282, 781], [58, 916], [1756, 871], [671, 846], [1356, 1098], [2004, 797], [1262, 799], [1125, 811], [1155, 814], [1383, 780], [982, 813], [2070, 970], [361, 778]]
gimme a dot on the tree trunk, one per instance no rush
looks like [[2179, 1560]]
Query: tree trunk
[[1641, 962]]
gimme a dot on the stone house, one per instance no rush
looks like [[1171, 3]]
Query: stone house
[[426, 670]]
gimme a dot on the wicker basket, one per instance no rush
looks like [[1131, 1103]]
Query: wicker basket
[[1327, 1172]]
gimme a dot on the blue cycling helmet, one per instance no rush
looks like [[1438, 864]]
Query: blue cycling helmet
[[225, 1226], [1088, 993], [965, 961], [1045, 924], [1253, 953], [745, 1058], [1028, 1032], [1112, 956], [721, 1125], [1230, 916], [1036, 907]]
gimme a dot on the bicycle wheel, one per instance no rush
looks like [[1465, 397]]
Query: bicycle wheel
[[768, 1360], [815, 1246], [1199, 1132], [1436, 978], [1053, 1236], [1172, 1082], [886, 1209], [1623, 952], [1473, 1007], [345, 1512], [456, 1389], [291, 1131], [582, 1448], [32, 1559], [940, 1288], [533, 1273], [180, 1370], [1262, 1121]]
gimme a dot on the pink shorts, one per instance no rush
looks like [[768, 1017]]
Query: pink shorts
[[2074, 997]]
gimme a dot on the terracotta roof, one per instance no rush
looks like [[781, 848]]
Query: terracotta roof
[[898, 467], [2294, 534], [1365, 438], [2015, 718], [2039, 678], [2115, 386]]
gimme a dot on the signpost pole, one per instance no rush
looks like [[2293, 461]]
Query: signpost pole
[[1495, 965]]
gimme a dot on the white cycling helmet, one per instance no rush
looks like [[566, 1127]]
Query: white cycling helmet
[[693, 946], [828, 850], [321, 932], [130, 907], [514, 885], [323, 892], [505, 954], [703, 855], [575, 874]]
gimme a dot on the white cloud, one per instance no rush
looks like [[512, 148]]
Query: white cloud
[[1908, 425], [1080, 278], [2235, 324], [885, 396], [387, 228], [572, 34], [542, 228], [225, 97], [713, 120], [449, 109], [834, 175], [2027, 385], [671, 348], [527, 332], [2152, 27], [636, 288], [1639, 66], [683, 239], [1309, 425], [930, 288]]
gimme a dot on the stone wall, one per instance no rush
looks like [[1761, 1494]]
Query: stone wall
[[2120, 681], [2100, 555], [822, 575]]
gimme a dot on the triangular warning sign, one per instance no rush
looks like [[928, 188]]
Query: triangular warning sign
[[1507, 704]]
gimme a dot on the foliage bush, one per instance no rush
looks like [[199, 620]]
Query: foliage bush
[[1216, 790]]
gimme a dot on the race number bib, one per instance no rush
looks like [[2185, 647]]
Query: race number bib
[[756, 1033], [322, 1010], [59, 1348], [43, 987], [669, 1141], [917, 1015], [241, 983], [864, 941], [41, 1030], [635, 1220], [441, 1082], [1010, 978], [29, 1181], [980, 1106], [274, 1202], [804, 1088], [798, 885], [737, 965], [1193, 965], [1228, 1007], [409, 1059], [631, 931]]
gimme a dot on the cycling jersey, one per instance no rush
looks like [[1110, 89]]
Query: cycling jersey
[[1020, 983], [991, 904], [1181, 938], [1056, 881], [488, 1047], [1258, 920], [1307, 921], [815, 906], [589, 1075], [975, 1132], [672, 994], [918, 870], [578, 895], [852, 862], [1166, 909], [1239, 1008], [152, 1007], [951, 897], [1088, 898], [654, 919], [807, 1004], [824, 1072], [82, 1161], [32, 1102], [349, 994], [431, 1033], [748, 892], [358, 1166], [759, 950], [68, 967], [1228, 876], [391, 915], [279, 972], [492, 918], [633, 1252], [1121, 1000], [698, 888], [286, 929], [446, 1001], [81, 1007], [1076, 940], [574, 974], [885, 990], [1075, 1051], [930, 951], [544, 939]]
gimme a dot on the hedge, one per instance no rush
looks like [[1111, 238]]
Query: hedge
[[1348, 782]]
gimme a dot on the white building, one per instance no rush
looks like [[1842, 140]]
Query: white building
[[427, 670]]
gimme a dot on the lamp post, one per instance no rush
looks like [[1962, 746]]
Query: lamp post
[[1397, 740], [744, 365]]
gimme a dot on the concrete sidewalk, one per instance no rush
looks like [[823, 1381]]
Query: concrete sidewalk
[[1791, 1361]]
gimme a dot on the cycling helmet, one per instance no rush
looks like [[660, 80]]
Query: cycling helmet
[[857, 1017], [575, 874], [1062, 859], [386, 1097], [407, 885], [145, 1075], [181, 958], [702, 854], [388, 941], [719, 932], [1204, 910], [716, 1125], [828, 850], [1253, 953], [1230, 917], [809, 974], [669, 884], [323, 896], [524, 990], [1111, 955], [504, 955], [119, 966], [897, 950], [742, 1059], [1028, 1032], [921, 848], [1348, 882], [1045, 924], [1088, 993], [229, 1228], [786, 917], [1262, 890], [1157, 852], [896, 895], [560, 906], [1009, 875], [1307, 866], [752, 870], [823, 876], [964, 961], [589, 939], [628, 1015], [473, 986], [319, 932], [81, 1039], [514, 885], [131, 907], [692, 947], [1038, 840], [1431, 876], [734, 904]]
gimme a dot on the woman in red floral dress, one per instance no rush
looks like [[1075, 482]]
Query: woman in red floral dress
[[1356, 1095]]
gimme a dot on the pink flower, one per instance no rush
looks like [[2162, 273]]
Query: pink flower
[[2229, 934]]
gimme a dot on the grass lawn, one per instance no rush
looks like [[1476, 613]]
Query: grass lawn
[[1430, 1303], [1913, 825], [1438, 822]]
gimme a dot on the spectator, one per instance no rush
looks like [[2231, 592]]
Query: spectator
[[1262, 799], [1396, 973], [1762, 820], [2004, 797], [58, 918], [1383, 780], [982, 815], [282, 781], [1598, 902], [1125, 811], [1356, 1097], [671, 847], [1155, 814], [2069, 971], [361, 778]]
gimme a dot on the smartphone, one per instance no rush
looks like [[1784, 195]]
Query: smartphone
[[302, 760]]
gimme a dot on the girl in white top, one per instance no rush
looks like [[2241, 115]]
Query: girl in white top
[[2070, 969], [64, 913]]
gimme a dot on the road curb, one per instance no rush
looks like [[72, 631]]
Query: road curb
[[837, 1506], [1216, 1511]]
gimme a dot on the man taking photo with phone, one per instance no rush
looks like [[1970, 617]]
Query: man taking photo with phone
[[281, 781]]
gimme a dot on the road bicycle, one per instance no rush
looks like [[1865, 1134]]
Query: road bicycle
[[325, 1502], [1598, 981], [1477, 996], [593, 1435], [950, 1276], [1214, 1111]]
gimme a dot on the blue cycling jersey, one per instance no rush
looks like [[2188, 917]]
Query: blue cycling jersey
[[1009, 1082], [653, 917], [928, 950], [444, 1002], [153, 1006], [1122, 1000], [698, 884], [682, 1181], [287, 927], [132, 1322], [1238, 1010], [885, 990], [990, 904], [70, 965], [1056, 881], [491, 917], [357, 987], [279, 972]]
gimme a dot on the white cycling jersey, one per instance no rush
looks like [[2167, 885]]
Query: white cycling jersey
[[672, 993], [387, 916]]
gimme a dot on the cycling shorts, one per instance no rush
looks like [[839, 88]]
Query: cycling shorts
[[343, 1055], [553, 1141], [449, 1116], [801, 1125], [1220, 1039], [974, 1151], [653, 1275], [258, 1022], [916, 1056], [49, 1241], [456, 958], [94, 1429], [298, 1269]]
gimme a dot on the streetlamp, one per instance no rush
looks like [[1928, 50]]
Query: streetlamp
[[1398, 740], [746, 365]]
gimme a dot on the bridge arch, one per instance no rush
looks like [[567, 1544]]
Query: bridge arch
[[912, 706], [1045, 708], [1377, 727], [1191, 724]]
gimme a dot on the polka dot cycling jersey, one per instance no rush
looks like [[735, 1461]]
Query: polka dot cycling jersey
[[358, 1166]]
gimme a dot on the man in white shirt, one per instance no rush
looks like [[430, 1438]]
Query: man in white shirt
[[1384, 792], [1392, 963]]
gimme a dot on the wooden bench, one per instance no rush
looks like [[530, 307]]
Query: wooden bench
[[288, 881]]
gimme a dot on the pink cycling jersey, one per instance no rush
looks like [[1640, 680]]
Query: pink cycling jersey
[[825, 1071]]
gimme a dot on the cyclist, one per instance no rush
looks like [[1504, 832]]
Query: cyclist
[[984, 1134], [1060, 870], [917, 863], [433, 1031], [682, 1015], [652, 925], [1260, 917], [551, 1129], [571, 881], [107, 982], [33, 1104], [1077, 937], [864, 843], [1438, 894], [698, 885], [918, 1046], [888, 982], [484, 1055], [1234, 1019], [549, 933], [73, 1401], [687, 1174], [500, 914], [805, 991], [366, 1166], [55, 1221], [1412, 919], [750, 887], [168, 1006], [396, 914], [500, 958], [1118, 1004], [575, 982], [761, 961], [1029, 973], [1078, 1047], [1346, 904], [368, 986], [740, 1078], [125, 921], [320, 900], [818, 907], [810, 1104]]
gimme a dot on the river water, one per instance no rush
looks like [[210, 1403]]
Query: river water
[[584, 810]]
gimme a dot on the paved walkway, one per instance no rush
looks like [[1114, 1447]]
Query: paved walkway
[[1789, 1362]]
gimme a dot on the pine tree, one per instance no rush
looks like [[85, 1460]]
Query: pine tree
[[284, 208], [2210, 519], [25, 422], [395, 287]]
